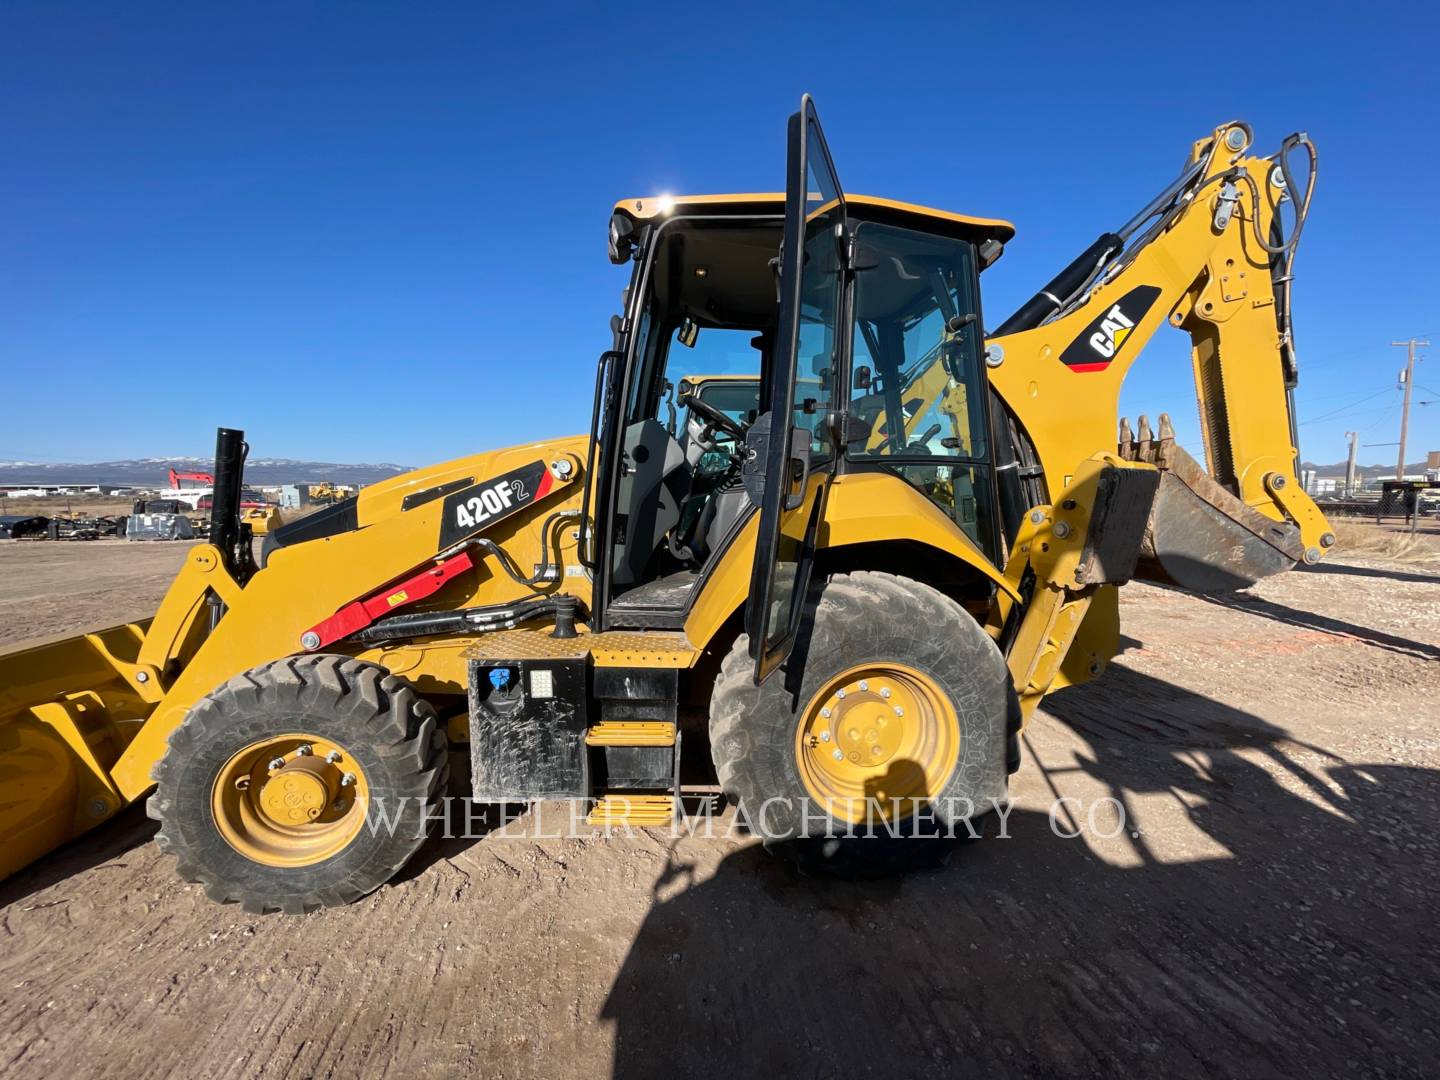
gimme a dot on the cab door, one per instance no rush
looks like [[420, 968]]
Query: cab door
[[789, 454]]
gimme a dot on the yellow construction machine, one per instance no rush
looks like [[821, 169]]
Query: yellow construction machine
[[262, 519], [866, 561]]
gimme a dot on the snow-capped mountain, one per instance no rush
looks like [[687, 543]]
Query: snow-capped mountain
[[152, 472]]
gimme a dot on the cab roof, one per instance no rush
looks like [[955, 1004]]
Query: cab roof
[[972, 228]]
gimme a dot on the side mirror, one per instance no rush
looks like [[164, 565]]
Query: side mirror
[[622, 238], [688, 333], [862, 378]]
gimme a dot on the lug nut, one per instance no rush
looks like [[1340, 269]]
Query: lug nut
[[839, 693], [304, 749], [825, 712], [864, 685], [347, 779], [884, 691], [277, 763], [824, 736], [332, 757], [899, 711], [838, 756]]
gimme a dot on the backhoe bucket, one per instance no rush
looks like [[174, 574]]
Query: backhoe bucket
[[1201, 536], [68, 708]]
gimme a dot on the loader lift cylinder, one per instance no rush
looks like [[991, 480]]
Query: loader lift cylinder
[[225, 528]]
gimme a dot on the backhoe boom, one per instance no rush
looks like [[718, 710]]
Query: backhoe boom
[[1205, 257]]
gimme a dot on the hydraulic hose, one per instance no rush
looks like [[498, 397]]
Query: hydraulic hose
[[469, 620], [507, 564]]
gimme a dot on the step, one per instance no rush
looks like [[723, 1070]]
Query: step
[[644, 811], [631, 733]]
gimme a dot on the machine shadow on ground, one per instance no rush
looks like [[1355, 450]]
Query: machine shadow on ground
[[1286, 943], [1309, 620], [1351, 570]]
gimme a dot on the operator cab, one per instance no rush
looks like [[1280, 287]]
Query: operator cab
[[870, 359], [703, 324]]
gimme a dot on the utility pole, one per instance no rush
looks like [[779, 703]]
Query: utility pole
[[1409, 380], [1354, 437]]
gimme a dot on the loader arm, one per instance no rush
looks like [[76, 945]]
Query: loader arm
[[1201, 257]]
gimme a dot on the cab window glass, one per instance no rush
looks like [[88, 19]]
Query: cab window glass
[[916, 376]]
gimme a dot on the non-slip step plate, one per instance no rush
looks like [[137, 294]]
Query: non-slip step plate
[[631, 733], [639, 810]]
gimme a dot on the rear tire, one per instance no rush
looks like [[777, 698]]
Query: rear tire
[[764, 744], [390, 754]]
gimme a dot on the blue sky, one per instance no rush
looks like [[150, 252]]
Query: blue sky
[[377, 232]]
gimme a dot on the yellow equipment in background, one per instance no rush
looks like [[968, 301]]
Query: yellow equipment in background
[[262, 519], [940, 517]]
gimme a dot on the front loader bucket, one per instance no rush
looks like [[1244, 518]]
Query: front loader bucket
[[67, 710], [1200, 536]]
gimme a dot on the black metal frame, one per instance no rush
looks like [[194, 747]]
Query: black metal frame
[[778, 444], [621, 373]]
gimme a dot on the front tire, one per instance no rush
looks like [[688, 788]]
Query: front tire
[[266, 791], [901, 714]]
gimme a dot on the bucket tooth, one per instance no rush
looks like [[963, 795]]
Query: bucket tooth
[[1144, 449], [1127, 441], [1165, 448]]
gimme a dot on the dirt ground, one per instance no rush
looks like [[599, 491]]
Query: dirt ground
[[49, 588], [1267, 906]]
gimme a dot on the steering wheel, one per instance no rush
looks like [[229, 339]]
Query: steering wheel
[[713, 417]]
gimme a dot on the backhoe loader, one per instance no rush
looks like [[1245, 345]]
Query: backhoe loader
[[865, 561]]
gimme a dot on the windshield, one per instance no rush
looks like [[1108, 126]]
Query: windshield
[[717, 351]]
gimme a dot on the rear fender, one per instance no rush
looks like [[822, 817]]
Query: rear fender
[[860, 509]]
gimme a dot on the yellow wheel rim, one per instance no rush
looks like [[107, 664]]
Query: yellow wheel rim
[[878, 741], [290, 800]]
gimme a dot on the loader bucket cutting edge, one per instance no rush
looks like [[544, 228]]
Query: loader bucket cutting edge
[[67, 711]]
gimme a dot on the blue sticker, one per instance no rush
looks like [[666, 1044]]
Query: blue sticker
[[499, 678]]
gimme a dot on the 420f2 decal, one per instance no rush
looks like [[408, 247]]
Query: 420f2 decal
[[1099, 342], [473, 509]]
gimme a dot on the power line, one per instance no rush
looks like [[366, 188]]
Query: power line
[[1310, 399], [1344, 408]]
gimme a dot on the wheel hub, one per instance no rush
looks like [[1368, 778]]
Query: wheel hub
[[290, 800], [877, 740], [301, 791], [864, 725]]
